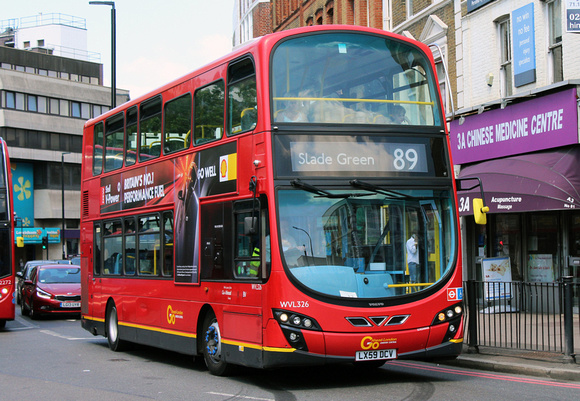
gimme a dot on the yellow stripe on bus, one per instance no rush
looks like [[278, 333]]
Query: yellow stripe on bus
[[191, 335]]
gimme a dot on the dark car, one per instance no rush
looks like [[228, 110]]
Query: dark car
[[52, 289], [27, 269]]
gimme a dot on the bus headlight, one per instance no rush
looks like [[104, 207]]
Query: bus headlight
[[293, 324], [451, 313]]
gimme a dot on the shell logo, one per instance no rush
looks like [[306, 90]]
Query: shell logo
[[228, 167], [172, 315]]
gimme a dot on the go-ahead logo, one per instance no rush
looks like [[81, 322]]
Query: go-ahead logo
[[369, 342], [172, 315]]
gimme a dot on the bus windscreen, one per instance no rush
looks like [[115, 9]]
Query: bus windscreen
[[312, 81]]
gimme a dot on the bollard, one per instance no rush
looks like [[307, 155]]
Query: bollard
[[568, 319], [473, 317]]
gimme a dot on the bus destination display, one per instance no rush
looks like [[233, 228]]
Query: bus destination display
[[349, 156]]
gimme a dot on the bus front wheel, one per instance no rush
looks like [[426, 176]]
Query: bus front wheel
[[115, 343], [212, 347]]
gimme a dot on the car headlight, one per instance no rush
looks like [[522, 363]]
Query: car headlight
[[43, 294]]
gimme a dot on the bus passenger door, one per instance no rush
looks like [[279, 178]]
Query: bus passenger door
[[90, 297]]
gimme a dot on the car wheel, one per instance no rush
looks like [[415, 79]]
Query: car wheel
[[2, 324], [212, 347], [115, 343], [23, 309], [31, 312]]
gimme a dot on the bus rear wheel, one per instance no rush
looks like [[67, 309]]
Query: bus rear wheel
[[212, 347], [115, 343]]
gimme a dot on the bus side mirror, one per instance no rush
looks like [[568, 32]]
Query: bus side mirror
[[20, 242], [479, 211]]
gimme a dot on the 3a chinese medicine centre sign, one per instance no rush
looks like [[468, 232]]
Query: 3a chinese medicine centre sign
[[541, 123]]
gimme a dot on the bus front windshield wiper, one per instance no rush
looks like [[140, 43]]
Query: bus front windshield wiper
[[375, 188], [321, 192]]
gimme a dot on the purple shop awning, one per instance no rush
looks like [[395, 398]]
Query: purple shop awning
[[548, 180]]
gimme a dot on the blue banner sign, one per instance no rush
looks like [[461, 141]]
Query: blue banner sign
[[524, 45], [22, 186], [473, 5], [572, 15], [34, 235]]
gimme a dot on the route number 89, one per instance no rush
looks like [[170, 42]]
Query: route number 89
[[405, 160]]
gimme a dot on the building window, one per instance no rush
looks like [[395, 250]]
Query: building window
[[75, 109], [54, 106], [555, 44], [40, 42], [505, 57], [409, 4], [27, 44], [42, 104], [10, 100], [64, 108], [20, 101], [32, 103]]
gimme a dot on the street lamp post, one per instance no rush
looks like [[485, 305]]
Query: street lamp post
[[62, 202], [113, 48]]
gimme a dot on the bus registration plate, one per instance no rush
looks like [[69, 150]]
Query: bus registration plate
[[70, 304], [376, 355]]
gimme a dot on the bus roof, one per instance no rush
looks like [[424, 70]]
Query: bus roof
[[257, 46]]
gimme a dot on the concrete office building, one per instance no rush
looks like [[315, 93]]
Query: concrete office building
[[49, 86]]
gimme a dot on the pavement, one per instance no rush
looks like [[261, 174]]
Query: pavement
[[531, 363]]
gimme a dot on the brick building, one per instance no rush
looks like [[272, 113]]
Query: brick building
[[251, 19], [429, 21]]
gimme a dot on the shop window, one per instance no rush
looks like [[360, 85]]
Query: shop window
[[508, 242], [542, 245]]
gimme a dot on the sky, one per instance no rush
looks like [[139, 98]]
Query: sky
[[157, 40]]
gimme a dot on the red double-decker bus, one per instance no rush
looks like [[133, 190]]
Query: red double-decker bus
[[7, 272], [292, 203]]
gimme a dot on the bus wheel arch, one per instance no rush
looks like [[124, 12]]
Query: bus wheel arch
[[112, 328], [211, 344]]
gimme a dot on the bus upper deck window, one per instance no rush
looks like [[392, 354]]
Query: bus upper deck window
[[242, 97], [114, 138], [352, 78], [177, 124], [99, 137], [150, 130], [209, 113], [131, 136]]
